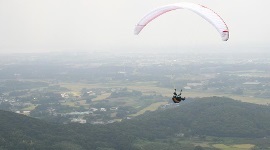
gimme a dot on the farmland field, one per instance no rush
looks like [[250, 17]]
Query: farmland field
[[152, 107], [234, 147], [152, 88]]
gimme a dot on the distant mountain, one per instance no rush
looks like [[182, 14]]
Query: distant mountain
[[215, 116]]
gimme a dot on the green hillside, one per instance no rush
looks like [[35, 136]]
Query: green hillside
[[18, 132], [215, 117]]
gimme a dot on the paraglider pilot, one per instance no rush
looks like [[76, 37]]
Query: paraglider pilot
[[177, 98]]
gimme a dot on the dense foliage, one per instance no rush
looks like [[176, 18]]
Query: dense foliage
[[216, 116]]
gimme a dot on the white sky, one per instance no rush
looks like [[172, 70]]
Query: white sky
[[87, 25]]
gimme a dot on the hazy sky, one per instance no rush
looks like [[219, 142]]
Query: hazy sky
[[87, 25]]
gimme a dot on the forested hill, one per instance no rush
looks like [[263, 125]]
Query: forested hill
[[215, 116], [21, 132]]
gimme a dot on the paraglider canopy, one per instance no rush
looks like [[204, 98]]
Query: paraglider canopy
[[206, 13]]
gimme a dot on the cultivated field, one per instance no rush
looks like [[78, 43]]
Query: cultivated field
[[234, 147], [151, 88]]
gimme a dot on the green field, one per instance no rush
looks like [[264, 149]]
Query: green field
[[208, 143], [147, 88], [151, 88], [101, 97], [152, 107], [234, 147]]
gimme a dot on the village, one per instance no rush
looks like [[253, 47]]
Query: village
[[95, 106]]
